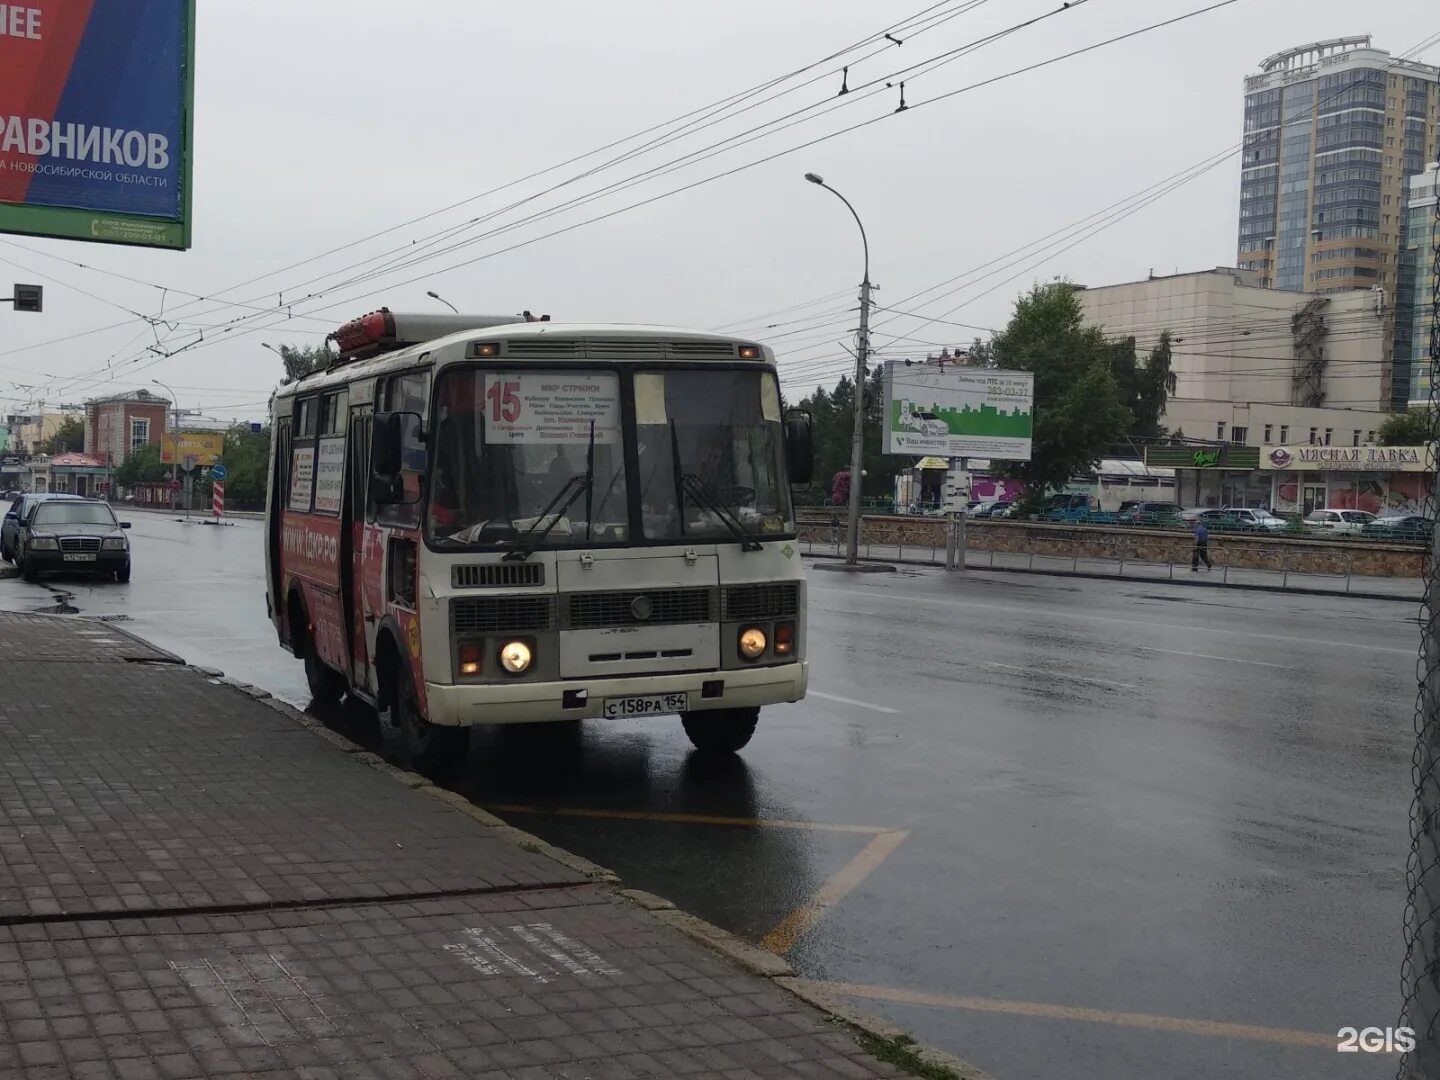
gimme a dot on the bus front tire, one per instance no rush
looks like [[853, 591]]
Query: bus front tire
[[720, 731], [420, 744], [327, 686]]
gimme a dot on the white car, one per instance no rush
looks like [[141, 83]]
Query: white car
[[1347, 522], [1260, 519]]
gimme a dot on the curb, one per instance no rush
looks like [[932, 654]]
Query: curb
[[748, 957], [1292, 590], [195, 514]]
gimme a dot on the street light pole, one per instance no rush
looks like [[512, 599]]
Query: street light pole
[[436, 296], [862, 352], [175, 450]]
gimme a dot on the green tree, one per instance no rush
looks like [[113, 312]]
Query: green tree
[[1405, 429], [247, 459], [1079, 411], [68, 437], [1144, 388], [303, 360], [142, 467]]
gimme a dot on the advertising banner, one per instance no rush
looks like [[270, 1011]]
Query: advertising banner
[[205, 446], [958, 411], [330, 475], [95, 119], [553, 407]]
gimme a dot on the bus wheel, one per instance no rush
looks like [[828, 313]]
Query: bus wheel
[[327, 686], [422, 745], [720, 731]]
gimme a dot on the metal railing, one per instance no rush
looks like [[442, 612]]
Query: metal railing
[[1286, 568]]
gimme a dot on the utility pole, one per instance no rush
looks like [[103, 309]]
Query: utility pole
[[862, 353], [857, 435], [174, 411]]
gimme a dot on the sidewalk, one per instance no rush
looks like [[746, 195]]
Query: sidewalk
[[194, 884], [1222, 576]]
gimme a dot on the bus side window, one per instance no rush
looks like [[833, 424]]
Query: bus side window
[[360, 466]]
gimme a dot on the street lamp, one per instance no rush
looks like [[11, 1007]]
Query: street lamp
[[175, 449], [436, 296], [862, 351]]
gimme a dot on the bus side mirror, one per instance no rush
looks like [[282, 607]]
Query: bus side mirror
[[385, 439], [799, 448], [390, 484]]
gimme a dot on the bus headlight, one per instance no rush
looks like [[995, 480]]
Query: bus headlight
[[516, 656], [752, 643]]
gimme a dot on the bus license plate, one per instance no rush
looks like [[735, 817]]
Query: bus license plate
[[78, 556], [646, 705]]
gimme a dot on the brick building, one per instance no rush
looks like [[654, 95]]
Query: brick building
[[115, 427]]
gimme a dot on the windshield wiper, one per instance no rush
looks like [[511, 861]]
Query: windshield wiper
[[571, 490], [689, 482], [701, 494]]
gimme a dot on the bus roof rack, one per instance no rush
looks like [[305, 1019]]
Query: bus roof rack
[[386, 331]]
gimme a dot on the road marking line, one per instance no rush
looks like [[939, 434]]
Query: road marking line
[[683, 819], [852, 701], [807, 916], [1212, 656], [1217, 1029], [1060, 677], [1139, 624]]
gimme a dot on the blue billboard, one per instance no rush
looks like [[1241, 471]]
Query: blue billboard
[[95, 119]]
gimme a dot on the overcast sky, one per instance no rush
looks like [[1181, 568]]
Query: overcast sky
[[322, 123]]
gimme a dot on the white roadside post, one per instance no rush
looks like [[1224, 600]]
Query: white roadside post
[[957, 494]]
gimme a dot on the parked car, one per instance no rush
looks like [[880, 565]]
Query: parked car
[[1065, 507], [1145, 513], [1399, 527], [1256, 519], [75, 535], [1345, 522], [990, 508], [10, 527]]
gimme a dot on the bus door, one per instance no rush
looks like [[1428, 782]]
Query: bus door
[[275, 505], [362, 610]]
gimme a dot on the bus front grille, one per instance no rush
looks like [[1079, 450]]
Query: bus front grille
[[497, 575], [500, 614], [765, 600], [635, 607]]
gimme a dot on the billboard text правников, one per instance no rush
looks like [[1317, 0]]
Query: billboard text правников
[[95, 120], [958, 411]]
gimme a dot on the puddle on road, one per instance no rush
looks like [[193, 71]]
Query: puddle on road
[[61, 604]]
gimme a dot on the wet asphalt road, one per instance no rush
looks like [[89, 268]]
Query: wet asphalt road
[[1065, 795]]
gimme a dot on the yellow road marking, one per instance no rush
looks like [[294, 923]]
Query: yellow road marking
[[1216, 1029], [684, 819], [805, 917]]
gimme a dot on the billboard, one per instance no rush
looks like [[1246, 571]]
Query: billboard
[[958, 411], [96, 104], [205, 446]]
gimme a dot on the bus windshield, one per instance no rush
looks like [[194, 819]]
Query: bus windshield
[[523, 452], [527, 457], [710, 450]]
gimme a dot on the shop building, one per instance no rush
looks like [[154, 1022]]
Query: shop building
[[1302, 478]]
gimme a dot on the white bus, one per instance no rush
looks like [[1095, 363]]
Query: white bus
[[478, 520]]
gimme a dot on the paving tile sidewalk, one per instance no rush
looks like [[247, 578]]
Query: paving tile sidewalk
[[192, 884]]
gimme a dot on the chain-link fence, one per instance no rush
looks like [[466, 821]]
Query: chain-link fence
[[1420, 969]]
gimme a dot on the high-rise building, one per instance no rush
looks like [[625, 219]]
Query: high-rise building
[[1332, 132], [1415, 297]]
